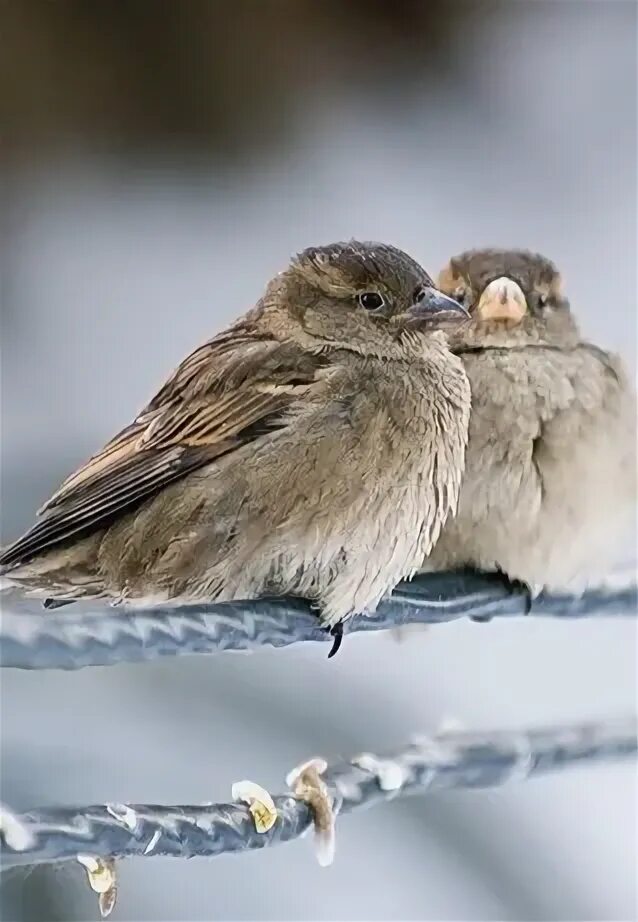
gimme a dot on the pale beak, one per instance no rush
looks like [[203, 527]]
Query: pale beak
[[502, 299]]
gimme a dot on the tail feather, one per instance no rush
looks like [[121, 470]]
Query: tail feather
[[61, 576]]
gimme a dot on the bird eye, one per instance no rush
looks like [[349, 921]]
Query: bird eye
[[543, 300], [419, 294], [460, 295], [371, 300]]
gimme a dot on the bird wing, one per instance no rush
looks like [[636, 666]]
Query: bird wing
[[225, 394]]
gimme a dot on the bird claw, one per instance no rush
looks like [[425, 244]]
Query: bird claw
[[336, 632], [307, 785], [527, 592], [260, 804], [102, 880], [518, 586]]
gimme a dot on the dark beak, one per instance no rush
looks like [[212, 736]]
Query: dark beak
[[434, 305]]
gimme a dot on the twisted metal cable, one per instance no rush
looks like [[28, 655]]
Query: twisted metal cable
[[459, 760], [74, 638]]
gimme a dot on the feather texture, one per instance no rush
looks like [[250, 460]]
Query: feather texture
[[223, 395]]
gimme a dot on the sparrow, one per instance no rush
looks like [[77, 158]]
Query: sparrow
[[314, 448], [550, 476]]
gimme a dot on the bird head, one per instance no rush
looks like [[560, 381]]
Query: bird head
[[358, 296], [514, 297]]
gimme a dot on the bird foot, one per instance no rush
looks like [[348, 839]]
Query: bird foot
[[307, 785], [528, 595], [518, 586]]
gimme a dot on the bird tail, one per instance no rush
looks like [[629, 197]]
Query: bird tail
[[59, 576]]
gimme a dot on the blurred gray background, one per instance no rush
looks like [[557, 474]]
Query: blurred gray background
[[163, 161]]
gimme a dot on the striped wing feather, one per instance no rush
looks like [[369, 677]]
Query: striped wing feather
[[223, 395]]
